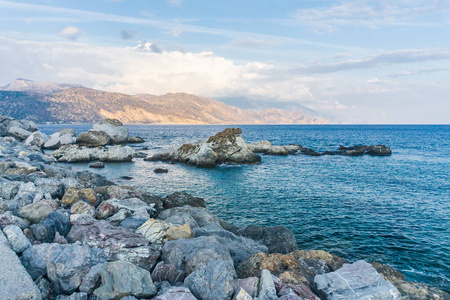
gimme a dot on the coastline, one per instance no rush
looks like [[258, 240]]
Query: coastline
[[70, 190]]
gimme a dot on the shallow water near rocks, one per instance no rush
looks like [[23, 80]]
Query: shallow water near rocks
[[393, 210]]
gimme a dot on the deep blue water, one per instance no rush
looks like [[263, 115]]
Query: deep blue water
[[394, 210]]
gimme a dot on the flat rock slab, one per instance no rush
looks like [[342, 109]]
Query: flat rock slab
[[15, 282], [356, 281]]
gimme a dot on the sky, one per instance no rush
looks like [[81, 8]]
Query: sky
[[361, 62]]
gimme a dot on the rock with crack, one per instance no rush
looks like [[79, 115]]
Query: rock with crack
[[356, 281]]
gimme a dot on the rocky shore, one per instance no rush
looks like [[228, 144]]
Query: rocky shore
[[78, 236]]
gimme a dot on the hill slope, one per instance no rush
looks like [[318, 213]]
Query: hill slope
[[83, 105]]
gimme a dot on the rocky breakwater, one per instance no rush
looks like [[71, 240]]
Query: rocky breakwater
[[69, 235], [226, 147]]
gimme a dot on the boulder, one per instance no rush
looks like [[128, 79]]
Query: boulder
[[19, 133], [83, 208], [154, 231], [75, 194], [212, 281], [16, 238], [37, 139], [131, 205], [144, 257], [35, 258], [51, 186], [36, 212], [179, 232], [250, 285], [60, 138], [120, 279], [15, 282], [167, 272], [56, 222], [74, 296], [117, 154], [356, 281], [114, 129], [278, 239], [176, 293], [8, 218], [135, 140], [75, 154], [67, 266], [9, 189], [93, 138], [267, 289], [179, 199], [97, 165], [101, 234], [193, 216]]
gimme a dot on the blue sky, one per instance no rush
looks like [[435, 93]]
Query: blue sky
[[360, 61]]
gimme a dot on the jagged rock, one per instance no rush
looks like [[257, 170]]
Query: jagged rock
[[132, 223], [299, 291], [106, 210], [67, 266], [15, 282], [117, 154], [179, 232], [154, 231], [36, 212], [43, 286], [19, 133], [101, 234], [97, 165], [131, 204], [75, 194], [16, 238], [9, 189], [193, 216], [250, 285], [50, 185], [267, 289], [225, 147], [35, 259], [179, 199], [332, 261], [119, 216], [57, 221], [176, 293], [60, 138], [74, 296], [242, 295], [114, 129], [167, 272], [356, 281], [212, 281], [82, 208], [90, 180], [278, 239], [120, 279], [75, 153], [93, 138], [160, 171], [8, 218], [37, 138]]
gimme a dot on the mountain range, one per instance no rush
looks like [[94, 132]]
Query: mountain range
[[66, 103]]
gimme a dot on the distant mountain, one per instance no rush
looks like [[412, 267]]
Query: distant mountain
[[83, 105], [25, 85]]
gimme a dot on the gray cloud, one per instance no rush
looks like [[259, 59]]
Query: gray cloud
[[128, 34], [71, 33], [382, 59]]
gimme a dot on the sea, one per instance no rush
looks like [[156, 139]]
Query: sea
[[394, 210]]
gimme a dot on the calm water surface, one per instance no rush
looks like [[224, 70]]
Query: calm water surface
[[394, 210]]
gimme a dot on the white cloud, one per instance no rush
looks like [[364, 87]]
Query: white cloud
[[175, 2], [371, 14], [71, 33], [130, 71]]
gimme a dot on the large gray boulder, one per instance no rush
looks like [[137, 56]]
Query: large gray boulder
[[36, 212], [120, 279], [68, 264], [193, 216], [37, 138], [278, 239], [212, 281], [359, 280], [117, 154], [16, 238], [179, 199], [60, 138], [114, 129], [176, 293], [267, 289], [15, 282], [93, 138]]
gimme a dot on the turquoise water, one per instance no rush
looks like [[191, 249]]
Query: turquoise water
[[394, 210]]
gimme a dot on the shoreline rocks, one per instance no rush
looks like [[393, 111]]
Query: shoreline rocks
[[79, 236]]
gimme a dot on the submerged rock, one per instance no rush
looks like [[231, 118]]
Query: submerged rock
[[179, 199]]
